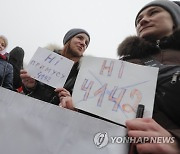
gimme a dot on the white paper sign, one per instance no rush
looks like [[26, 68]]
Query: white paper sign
[[49, 67], [113, 88], [31, 126]]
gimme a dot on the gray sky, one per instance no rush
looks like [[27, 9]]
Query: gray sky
[[35, 23]]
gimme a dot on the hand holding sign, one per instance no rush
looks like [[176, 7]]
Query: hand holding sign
[[49, 67]]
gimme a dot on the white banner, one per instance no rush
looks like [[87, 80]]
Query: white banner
[[31, 126]]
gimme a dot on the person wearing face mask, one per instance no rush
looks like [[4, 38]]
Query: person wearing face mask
[[157, 44], [75, 42], [6, 69]]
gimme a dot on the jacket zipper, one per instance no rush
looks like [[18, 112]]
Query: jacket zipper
[[157, 43], [175, 77]]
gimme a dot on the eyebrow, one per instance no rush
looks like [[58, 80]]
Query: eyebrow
[[149, 10]]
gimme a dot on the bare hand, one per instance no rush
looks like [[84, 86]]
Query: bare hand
[[27, 80], [65, 98], [147, 127]]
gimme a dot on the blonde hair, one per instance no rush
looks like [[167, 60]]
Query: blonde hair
[[5, 40]]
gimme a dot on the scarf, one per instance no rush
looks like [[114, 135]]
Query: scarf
[[3, 57]]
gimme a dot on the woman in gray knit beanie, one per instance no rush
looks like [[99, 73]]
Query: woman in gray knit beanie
[[75, 43], [157, 44], [172, 9], [72, 32]]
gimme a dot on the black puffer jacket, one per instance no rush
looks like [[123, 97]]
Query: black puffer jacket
[[166, 51]]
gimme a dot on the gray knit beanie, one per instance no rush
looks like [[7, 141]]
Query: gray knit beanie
[[169, 6], [72, 32]]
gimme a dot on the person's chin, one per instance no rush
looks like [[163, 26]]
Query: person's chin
[[78, 54], [145, 34]]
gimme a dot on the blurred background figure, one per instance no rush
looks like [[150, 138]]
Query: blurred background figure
[[16, 57], [177, 2], [6, 69]]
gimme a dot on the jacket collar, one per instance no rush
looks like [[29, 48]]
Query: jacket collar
[[136, 47], [3, 57]]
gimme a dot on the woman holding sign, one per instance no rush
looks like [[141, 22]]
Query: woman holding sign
[[158, 44], [75, 43]]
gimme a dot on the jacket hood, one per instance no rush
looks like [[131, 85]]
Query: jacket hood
[[16, 57], [137, 47], [54, 47]]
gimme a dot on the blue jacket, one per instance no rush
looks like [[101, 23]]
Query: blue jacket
[[6, 74]]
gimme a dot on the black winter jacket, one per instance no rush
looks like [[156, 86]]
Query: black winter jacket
[[166, 51]]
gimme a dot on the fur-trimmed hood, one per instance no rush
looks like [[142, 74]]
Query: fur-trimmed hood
[[137, 47], [54, 47]]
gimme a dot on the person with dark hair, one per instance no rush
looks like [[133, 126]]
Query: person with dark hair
[[75, 43], [157, 44], [16, 56], [6, 69], [177, 2]]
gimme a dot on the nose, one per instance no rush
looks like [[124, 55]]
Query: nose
[[143, 21]]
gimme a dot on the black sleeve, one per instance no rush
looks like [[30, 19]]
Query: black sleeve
[[43, 92]]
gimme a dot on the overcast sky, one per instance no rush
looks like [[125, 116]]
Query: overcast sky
[[35, 23]]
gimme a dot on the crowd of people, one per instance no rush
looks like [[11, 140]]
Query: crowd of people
[[156, 44]]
